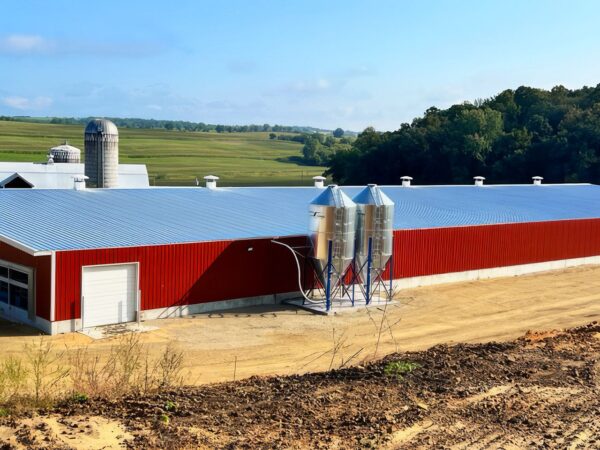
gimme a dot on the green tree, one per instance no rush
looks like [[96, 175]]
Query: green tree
[[508, 138], [310, 150]]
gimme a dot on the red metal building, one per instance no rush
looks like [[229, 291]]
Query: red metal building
[[64, 289]]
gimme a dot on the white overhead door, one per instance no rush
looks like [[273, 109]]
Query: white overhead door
[[108, 294]]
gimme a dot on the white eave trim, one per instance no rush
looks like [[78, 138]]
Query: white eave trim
[[23, 247]]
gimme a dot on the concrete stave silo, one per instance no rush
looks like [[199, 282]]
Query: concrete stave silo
[[102, 154]]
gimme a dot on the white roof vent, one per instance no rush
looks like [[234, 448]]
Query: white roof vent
[[211, 181], [537, 180], [406, 180], [319, 181], [479, 180], [50, 159], [79, 182]]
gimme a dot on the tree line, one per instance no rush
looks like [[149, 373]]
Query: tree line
[[178, 125], [508, 139]]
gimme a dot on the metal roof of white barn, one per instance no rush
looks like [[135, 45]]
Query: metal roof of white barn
[[60, 175], [42, 220]]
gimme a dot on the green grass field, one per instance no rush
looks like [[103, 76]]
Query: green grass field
[[175, 157]]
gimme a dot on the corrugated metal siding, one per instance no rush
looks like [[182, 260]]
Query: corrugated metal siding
[[43, 275], [445, 250], [173, 275]]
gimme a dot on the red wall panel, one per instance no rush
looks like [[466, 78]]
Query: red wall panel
[[43, 275], [203, 272], [445, 250], [181, 274]]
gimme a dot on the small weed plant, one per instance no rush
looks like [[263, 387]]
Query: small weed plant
[[45, 370], [164, 419], [171, 406], [398, 369], [13, 379], [79, 397], [42, 375], [127, 369]]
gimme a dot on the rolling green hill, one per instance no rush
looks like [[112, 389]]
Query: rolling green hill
[[175, 157]]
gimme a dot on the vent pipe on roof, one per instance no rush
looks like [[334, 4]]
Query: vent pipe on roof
[[319, 181], [479, 180], [79, 182], [406, 180], [211, 181], [50, 159], [537, 180]]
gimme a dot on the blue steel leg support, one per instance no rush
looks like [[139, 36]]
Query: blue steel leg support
[[329, 270], [353, 274], [391, 275], [369, 263], [392, 272]]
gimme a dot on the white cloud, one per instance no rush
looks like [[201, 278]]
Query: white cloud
[[24, 103], [24, 43], [31, 44]]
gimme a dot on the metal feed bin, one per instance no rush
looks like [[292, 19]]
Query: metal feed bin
[[374, 237], [332, 233]]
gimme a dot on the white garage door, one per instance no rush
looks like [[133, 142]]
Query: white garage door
[[109, 294]]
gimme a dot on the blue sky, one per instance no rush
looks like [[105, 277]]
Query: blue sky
[[322, 63]]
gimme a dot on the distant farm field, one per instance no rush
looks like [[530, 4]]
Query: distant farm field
[[174, 157]]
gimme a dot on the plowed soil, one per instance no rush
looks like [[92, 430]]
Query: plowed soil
[[539, 391]]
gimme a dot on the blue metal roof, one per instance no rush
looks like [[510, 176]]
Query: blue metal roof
[[42, 220]]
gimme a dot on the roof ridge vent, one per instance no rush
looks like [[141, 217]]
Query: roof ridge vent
[[319, 181], [211, 181], [79, 182], [406, 180]]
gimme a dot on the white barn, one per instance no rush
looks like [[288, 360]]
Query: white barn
[[61, 175]]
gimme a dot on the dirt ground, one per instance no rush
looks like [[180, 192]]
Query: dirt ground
[[529, 389], [540, 391], [284, 340]]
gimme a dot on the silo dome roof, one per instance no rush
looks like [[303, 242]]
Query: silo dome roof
[[65, 147], [101, 126]]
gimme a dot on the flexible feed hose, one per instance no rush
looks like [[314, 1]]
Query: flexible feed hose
[[310, 300]]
